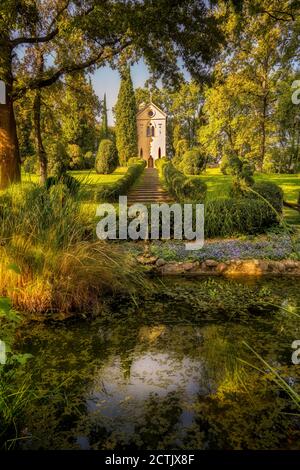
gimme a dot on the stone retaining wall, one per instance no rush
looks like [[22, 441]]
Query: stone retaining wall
[[236, 267]]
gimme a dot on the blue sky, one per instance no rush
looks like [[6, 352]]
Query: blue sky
[[106, 80]]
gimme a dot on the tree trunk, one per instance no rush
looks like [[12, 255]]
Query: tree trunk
[[263, 134], [10, 164], [42, 157]]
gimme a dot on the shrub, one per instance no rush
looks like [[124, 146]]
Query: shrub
[[193, 162], [269, 191], [58, 159], [89, 160], [134, 160], [181, 187], [159, 163], [111, 192], [107, 157], [227, 217], [194, 189], [75, 157], [71, 183], [224, 167]]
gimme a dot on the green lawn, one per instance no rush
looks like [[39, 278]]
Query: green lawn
[[87, 177], [219, 186]]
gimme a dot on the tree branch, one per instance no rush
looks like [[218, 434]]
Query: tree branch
[[273, 14], [51, 35], [42, 82]]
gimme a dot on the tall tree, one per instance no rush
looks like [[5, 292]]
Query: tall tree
[[85, 34], [125, 112], [104, 122], [240, 107]]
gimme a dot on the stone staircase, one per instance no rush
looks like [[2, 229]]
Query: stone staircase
[[148, 189]]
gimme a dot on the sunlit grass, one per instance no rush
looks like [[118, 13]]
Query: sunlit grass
[[87, 177]]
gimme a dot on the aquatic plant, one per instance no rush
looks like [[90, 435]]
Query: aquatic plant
[[15, 383]]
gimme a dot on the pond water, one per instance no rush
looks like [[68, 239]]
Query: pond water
[[170, 370]]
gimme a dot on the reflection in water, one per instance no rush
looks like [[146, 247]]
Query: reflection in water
[[173, 381]]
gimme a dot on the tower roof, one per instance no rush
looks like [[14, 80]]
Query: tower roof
[[151, 104]]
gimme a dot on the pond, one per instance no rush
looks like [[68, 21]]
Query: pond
[[171, 370]]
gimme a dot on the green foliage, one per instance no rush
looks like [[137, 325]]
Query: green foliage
[[16, 390], [107, 157], [269, 191], [58, 158], [89, 160], [181, 147], [76, 161], [61, 267], [111, 192], [193, 161], [30, 164], [181, 187], [125, 111], [104, 122], [224, 165], [67, 180], [229, 217], [242, 173]]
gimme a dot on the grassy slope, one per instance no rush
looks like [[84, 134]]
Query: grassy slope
[[88, 177], [219, 185]]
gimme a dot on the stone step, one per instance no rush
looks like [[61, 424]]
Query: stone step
[[148, 189]]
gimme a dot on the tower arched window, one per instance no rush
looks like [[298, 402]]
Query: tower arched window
[[150, 131]]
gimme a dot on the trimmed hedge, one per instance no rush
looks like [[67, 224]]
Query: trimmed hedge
[[111, 192], [269, 191], [182, 188], [226, 217]]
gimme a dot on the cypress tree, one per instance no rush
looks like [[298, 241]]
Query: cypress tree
[[104, 124], [125, 113]]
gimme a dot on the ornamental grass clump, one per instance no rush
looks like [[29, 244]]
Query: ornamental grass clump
[[49, 261]]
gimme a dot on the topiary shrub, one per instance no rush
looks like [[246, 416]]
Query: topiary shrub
[[181, 187], [269, 191], [134, 160], [107, 157], [193, 161], [159, 163], [227, 217]]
